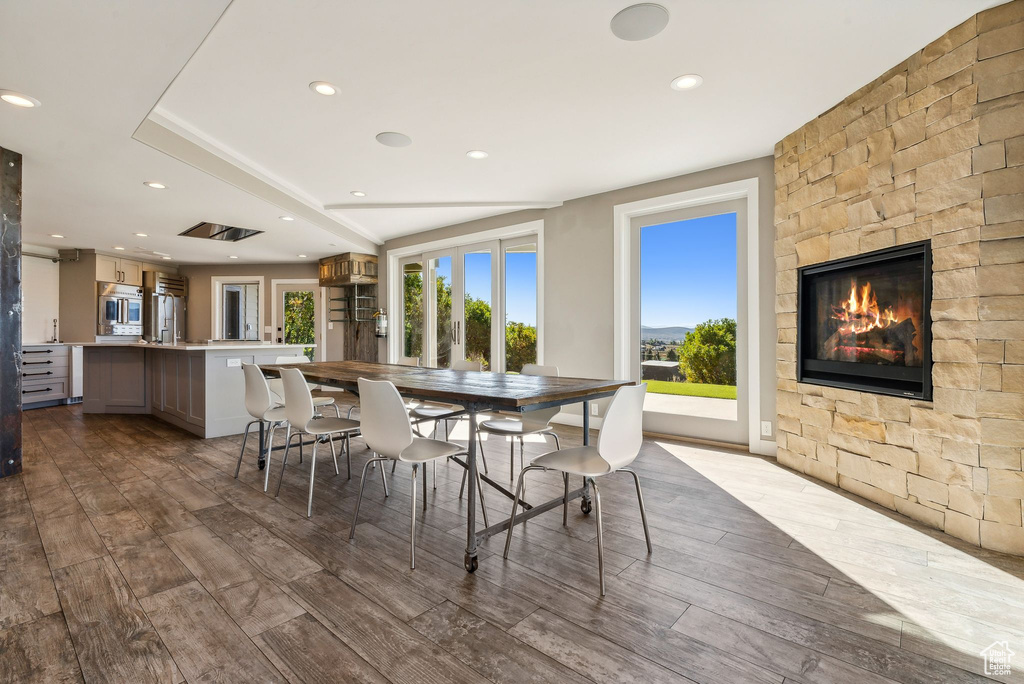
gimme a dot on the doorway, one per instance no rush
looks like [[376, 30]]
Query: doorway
[[298, 313]]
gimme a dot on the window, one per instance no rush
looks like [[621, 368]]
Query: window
[[520, 305]]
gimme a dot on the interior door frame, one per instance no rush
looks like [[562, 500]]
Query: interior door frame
[[320, 352], [217, 299]]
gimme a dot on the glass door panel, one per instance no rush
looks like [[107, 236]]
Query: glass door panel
[[412, 308], [476, 338], [520, 289], [298, 312], [440, 331]]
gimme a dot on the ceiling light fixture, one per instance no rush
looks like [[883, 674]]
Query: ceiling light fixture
[[232, 257], [477, 154], [19, 99], [322, 88], [640, 22], [54, 235], [286, 218], [119, 249], [358, 193], [141, 235], [392, 139], [686, 82], [301, 256], [166, 258], [154, 185]]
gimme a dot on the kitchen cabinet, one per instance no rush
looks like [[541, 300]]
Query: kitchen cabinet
[[115, 378], [117, 270], [45, 379]]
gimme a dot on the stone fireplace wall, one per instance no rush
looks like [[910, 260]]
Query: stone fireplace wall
[[932, 149]]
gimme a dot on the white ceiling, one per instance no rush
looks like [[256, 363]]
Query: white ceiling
[[135, 91]]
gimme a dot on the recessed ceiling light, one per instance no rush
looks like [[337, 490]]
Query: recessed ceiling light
[[322, 88], [640, 22], [301, 256], [141, 235], [286, 218], [476, 154], [154, 185], [392, 139], [54, 235], [232, 257], [19, 99], [119, 249], [358, 193], [686, 82], [166, 258]]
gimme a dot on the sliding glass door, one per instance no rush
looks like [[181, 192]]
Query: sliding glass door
[[457, 305]]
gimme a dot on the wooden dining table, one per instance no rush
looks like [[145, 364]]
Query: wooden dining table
[[476, 393]]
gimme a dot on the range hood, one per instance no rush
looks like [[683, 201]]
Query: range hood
[[217, 231]]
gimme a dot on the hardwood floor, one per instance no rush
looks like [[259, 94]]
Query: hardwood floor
[[129, 553]]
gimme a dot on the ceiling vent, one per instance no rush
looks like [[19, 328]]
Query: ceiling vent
[[217, 231]]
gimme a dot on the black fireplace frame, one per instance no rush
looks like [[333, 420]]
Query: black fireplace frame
[[913, 383]]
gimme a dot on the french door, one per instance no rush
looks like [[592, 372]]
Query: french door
[[451, 300], [298, 308]]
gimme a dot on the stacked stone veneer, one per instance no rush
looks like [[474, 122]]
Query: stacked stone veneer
[[932, 149]]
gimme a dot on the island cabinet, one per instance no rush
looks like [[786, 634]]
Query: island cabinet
[[114, 379], [198, 388], [178, 385]]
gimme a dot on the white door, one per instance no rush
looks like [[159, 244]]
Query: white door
[[298, 310]]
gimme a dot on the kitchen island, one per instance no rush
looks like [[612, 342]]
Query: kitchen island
[[197, 387]]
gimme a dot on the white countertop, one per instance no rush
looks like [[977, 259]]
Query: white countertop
[[197, 347]]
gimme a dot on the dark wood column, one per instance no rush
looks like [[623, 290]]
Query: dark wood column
[[10, 313]]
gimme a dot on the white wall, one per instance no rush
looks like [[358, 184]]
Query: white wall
[[40, 296]]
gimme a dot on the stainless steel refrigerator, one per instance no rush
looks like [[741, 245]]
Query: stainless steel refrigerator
[[164, 301]]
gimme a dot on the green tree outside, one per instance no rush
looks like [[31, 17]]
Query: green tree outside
[[708, 354], [300, 319]]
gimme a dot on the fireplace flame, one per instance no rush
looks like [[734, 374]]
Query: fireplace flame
[[860, 313]]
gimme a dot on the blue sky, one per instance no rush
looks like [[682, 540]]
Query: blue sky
[[520, 283], [688, 271]]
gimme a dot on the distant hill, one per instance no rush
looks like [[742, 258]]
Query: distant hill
[[675, 333]]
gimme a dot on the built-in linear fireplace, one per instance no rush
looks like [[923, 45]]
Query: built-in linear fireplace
[[865, 324]]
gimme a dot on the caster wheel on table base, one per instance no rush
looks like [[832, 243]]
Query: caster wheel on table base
[[262, 463], [586, 506], [472, 563]]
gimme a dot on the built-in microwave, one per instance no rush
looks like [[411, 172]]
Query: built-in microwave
[[119, 309]]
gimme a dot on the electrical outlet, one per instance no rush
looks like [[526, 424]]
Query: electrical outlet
[[234, 363], [330, 326], [593, 408], [766, 428]]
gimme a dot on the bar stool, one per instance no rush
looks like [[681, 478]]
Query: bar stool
[[298, 405], [618, 445], [388, 433], [261, 404]]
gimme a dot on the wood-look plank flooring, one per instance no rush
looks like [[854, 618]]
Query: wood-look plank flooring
[[129, 553]]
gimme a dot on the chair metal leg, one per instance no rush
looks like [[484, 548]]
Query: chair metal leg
[[334, 454], [284, 460], [600, 536], [515, 505], [462, 486], [348, 453], [412, 523], [394, 464], [241, 454], [433, 474], [270, 452], [480, 451], [312, 475], [425, 486], [511, 459], [383, 479], [300, 451], [643, 510], [558, 447], [359, 497], [565, 500], [337, 408], [480, 493]]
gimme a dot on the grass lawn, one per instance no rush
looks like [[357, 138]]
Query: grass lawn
[[692, 389]]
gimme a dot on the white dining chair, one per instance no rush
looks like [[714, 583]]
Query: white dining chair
[[527, 423], [618, 445], [442, 413], [388, 433], [302, 420], [318, 402], [261, 404]]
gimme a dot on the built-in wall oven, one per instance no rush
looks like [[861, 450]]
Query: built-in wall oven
[[120, 309]]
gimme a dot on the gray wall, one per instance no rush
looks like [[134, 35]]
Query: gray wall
[[578, 254], [198, 317]]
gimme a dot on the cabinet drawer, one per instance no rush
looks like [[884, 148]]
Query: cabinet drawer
[[41, 362], [43, 390], [45, 351], [43, 374]]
